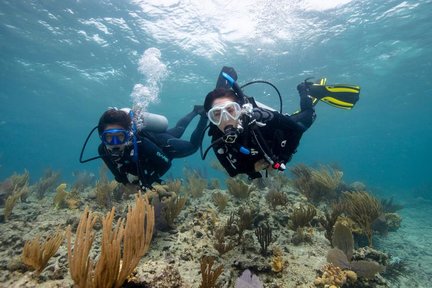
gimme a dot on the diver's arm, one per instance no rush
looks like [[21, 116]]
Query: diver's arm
[[275, 119]]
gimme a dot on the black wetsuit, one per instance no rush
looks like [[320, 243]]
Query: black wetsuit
[[279, 138], [155, 152]]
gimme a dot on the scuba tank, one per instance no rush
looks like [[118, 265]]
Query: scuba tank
[[154, 122], [150, 121]]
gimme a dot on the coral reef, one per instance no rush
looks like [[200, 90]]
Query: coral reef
[[172, 207], [46, 183], [276, 198], [302, 216], [10, 204], [342, 254], [122, 248], [36, 253], [330, 218], [220, 200], [364, 209], [333, 276], [195, 183], [83, 179], [209, 276], [265, 237], [238, 188], [317, 184], [104, 189], [277, 262], [198, 227], [221, 244]]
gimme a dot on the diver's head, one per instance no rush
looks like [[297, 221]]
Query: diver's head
[[223, 109], [115, 130]]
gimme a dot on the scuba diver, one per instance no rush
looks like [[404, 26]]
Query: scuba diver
[[141, 157], [248, 137]]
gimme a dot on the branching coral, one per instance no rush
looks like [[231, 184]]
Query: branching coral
[[174, 186], [15, 184], [220, 200], [317, 184], [122, 248], [221, 245], [60, 197], [83, 179], [214, 183], [36, 253], [275, 198], [104, 188], [172, 207], [20, 180], [104, 192], [10, 204], [244, 221], [264, 235], [209, 277], [45, 183], [301, 216], [195, 183], [238, 188], [64, 199], [277, 262], [364, 209]]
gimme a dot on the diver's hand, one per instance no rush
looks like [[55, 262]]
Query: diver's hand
[[261, 165], [304, 87]]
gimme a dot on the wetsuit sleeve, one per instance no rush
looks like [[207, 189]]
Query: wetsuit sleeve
[[275, 119], [119, 176]]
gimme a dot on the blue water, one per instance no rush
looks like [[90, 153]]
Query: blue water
[[64, 62]]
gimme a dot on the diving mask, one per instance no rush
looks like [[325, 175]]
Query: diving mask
[[115, 136], [224, 112]]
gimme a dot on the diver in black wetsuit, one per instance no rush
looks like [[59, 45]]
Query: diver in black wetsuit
[[247, 138], [142, 157]]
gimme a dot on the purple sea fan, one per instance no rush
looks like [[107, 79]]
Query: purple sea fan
[[248, 280]]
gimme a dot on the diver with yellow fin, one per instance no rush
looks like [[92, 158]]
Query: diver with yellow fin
[[248, 137]]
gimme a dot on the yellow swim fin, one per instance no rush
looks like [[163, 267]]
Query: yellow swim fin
[[343, 96]]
